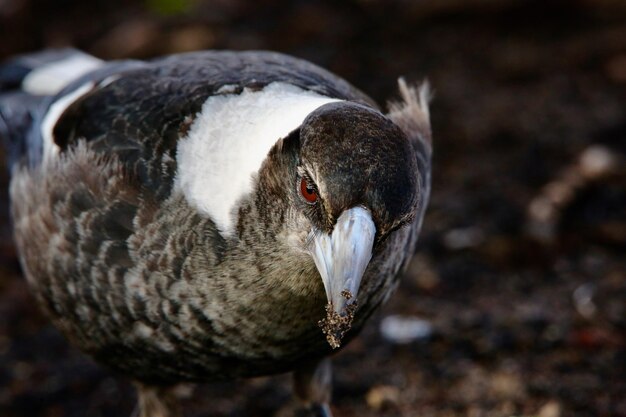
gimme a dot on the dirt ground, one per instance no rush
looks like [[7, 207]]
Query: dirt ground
[[519, 285]]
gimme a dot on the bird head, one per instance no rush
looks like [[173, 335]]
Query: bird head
[[353, 181]]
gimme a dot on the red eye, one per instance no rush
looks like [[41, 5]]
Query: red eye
[[307, 191]]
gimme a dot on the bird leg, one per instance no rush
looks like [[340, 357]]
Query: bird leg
[[312, 387], [155, 401]]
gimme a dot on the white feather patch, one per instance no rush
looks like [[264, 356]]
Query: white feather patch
[[52, 78], [51, 149], [228, 141]]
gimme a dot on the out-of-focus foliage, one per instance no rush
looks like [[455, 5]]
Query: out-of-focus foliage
[[169, 7]]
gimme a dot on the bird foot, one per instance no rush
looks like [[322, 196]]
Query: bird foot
[[312, 387], [156, 402]]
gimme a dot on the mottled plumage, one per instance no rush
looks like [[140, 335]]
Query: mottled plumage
[[131, 270]]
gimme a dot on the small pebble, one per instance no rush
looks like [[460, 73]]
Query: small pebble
[[382, 396], [583, 300], [464, 238], [596, 160], [403, 330], [550, 409]]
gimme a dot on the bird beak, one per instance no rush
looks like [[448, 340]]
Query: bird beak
[[341, 259]]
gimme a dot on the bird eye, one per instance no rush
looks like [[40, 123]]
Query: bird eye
[[308, 191]]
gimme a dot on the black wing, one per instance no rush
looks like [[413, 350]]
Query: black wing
[[138, 111]]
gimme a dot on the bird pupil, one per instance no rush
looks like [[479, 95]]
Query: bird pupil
[[308, 191]]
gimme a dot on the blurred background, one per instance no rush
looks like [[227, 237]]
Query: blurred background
[[515, 304]]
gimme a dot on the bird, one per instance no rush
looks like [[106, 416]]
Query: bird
[[210, 215]]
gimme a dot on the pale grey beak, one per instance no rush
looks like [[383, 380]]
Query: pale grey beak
[[341, 259]]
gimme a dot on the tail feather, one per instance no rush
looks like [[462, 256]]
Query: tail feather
[[45, 72], [11, 76], [17, 112], [26, 84]]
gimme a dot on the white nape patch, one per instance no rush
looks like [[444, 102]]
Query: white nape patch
[[51, 149], [52, 78], [229, 140]]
